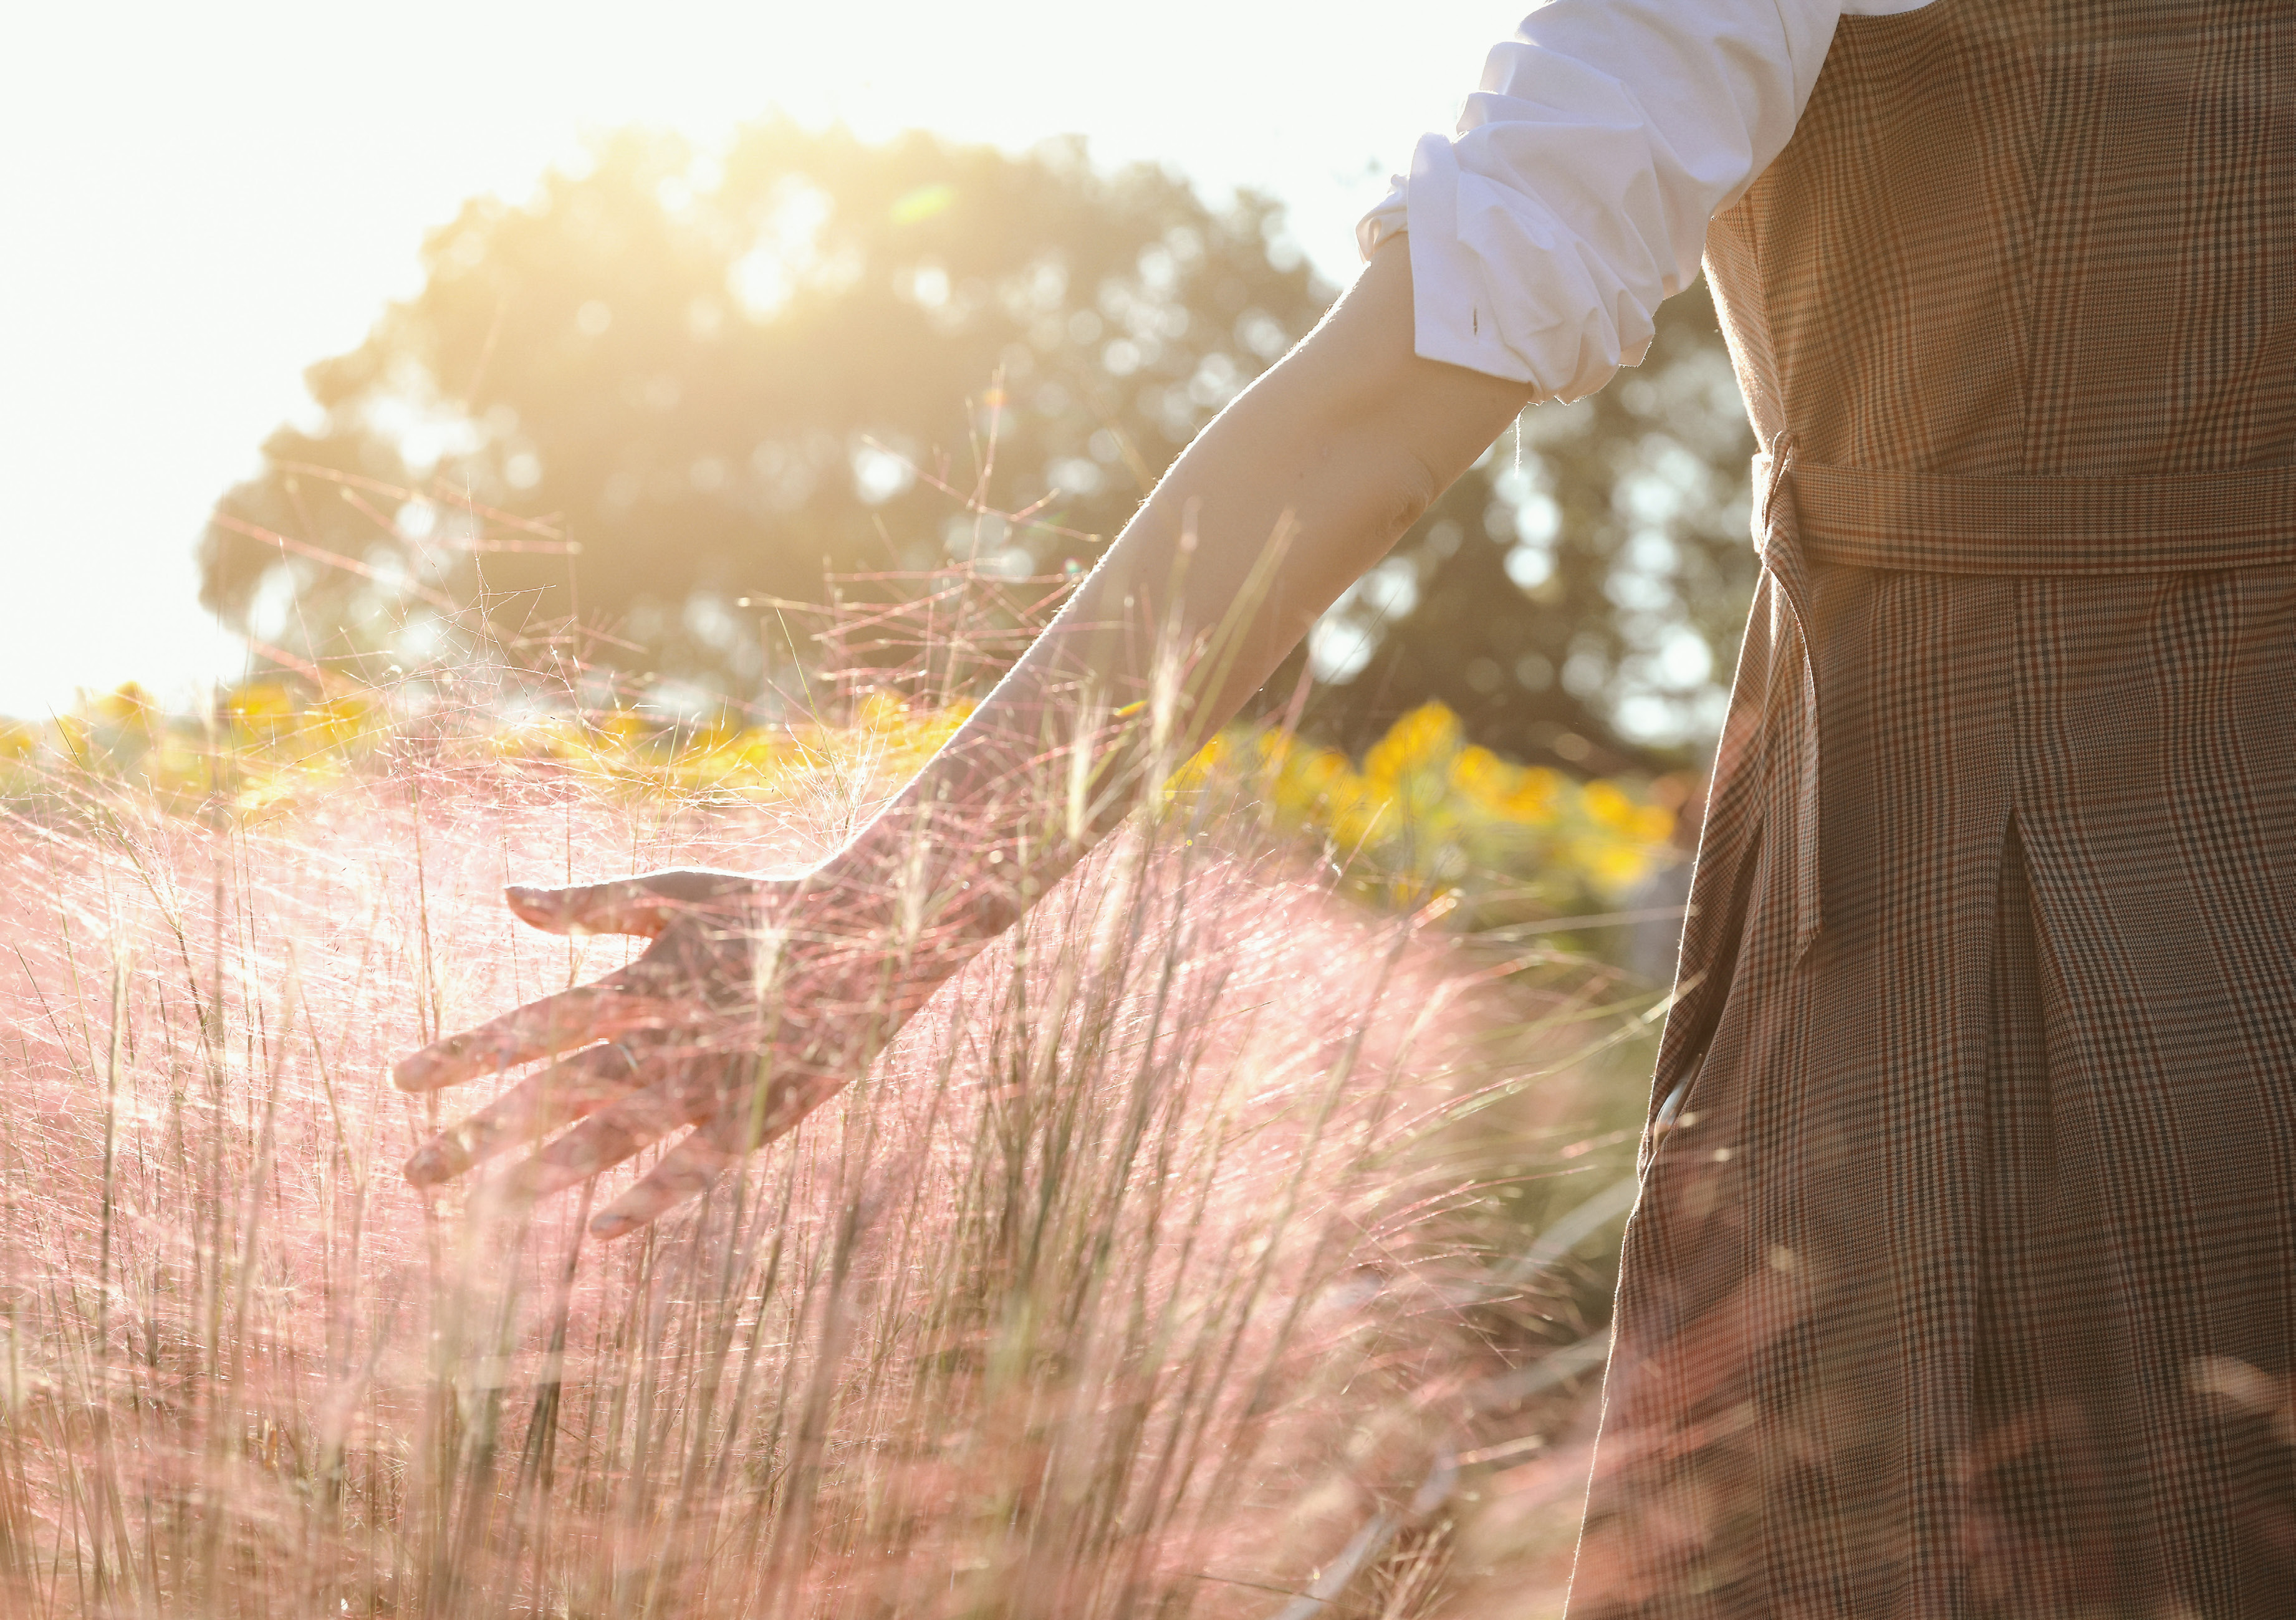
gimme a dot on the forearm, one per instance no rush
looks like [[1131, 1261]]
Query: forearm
[[1308, 479]]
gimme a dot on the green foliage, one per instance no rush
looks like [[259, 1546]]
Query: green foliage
[[1580, 597], [705, 380], [715, 385]]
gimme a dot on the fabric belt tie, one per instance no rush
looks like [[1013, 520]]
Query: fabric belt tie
[[1931, 524]]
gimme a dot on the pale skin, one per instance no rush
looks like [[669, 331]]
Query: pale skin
[[761, 995]]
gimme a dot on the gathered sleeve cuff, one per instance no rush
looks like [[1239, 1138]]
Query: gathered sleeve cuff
[[1575, 195]]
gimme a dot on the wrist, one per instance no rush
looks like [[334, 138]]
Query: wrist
[[938, 896]]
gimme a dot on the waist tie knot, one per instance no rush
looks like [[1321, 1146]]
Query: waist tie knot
[[1763, 807], [1786, 716], [1932, 523]]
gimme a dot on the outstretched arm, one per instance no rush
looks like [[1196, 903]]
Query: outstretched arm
[[1301, 484], [758, 997]]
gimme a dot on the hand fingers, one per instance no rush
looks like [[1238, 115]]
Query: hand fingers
[[742, 1124], [532, 1108], [559, 1023], [643, 906], [683, 1172], [611, 1135], [761, 1106]]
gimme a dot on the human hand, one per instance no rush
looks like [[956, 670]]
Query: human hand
[[758, 998]]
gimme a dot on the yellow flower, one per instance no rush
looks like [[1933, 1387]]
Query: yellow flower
[[1608, 805], [1620, 867], [1429, 735], [882, 711], [1527, 795], [265, 707], [127, 704], [628, 727], [340, 722]]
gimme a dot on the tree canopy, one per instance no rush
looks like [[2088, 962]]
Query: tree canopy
[[729, 375]]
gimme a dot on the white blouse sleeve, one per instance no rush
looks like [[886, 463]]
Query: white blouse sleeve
[[1576, 195]]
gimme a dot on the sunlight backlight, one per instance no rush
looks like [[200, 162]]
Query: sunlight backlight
[[203, 201]]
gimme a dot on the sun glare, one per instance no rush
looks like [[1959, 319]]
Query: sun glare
[[204, 202]]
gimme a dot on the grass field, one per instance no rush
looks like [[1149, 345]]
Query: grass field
[[1184, 1257]]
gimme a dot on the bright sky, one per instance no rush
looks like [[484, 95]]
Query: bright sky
[[197, 201]]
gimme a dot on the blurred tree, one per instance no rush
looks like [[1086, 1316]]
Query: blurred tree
[[723, 376], [1579, 598]]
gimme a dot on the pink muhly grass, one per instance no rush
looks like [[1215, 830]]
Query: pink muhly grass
[[1144, 1274]]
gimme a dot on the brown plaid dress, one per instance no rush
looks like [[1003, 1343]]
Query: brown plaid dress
[[1962, 1280]]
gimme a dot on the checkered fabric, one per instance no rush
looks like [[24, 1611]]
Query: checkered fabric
[[1963, 1280]]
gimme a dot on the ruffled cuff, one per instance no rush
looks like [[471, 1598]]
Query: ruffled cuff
[[1387, 219], [1479, 251], [1576, 193]]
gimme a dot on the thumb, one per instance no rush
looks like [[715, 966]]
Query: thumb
[[642, 905]]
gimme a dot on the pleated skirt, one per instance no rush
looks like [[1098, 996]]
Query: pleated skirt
[[1962, 1277]]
